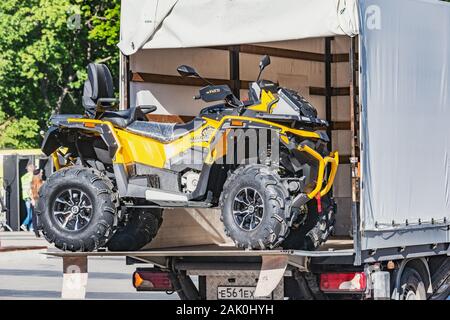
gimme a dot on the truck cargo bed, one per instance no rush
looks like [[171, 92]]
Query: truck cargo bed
[[341, 248]]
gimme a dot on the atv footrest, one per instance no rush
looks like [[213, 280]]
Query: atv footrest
[[166, 197], [172, 199]]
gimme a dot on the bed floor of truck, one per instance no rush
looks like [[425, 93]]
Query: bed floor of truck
[[336, 248]]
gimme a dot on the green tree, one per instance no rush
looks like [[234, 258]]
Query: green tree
[[45, 46]]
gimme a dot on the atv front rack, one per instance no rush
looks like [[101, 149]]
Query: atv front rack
[[333, 160]]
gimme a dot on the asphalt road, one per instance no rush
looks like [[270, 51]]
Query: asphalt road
[[33, 275]]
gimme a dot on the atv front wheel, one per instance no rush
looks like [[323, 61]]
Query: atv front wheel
[[253, 205], [141, 227], [315, 229], [76, 209]]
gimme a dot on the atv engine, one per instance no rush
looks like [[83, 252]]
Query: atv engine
[[189, 181]]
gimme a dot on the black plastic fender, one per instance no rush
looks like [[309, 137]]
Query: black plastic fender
[[51, 141], [55, 137]]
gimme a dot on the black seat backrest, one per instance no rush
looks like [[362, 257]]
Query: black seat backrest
[[98, 85]]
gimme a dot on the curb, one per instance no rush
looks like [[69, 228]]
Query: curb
[[17, 248]]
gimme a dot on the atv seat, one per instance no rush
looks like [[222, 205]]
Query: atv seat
[[99, 102], [164, 132], [124, 118], [98, 92]]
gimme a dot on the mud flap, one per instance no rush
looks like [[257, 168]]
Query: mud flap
[[75, 278], [272, 272]]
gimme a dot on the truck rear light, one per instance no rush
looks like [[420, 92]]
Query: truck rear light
[[152, 280], [343, 282]]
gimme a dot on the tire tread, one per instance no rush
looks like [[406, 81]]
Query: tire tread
[[102, 187]]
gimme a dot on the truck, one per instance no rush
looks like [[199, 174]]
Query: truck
[[380, 78]]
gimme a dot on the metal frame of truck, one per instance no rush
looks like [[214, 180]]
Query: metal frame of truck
[[294, 273]]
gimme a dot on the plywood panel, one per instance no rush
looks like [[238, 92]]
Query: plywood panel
[[208, 62], [342, 186], [341, 74], [340, 107], [342, 141], [191, 227], [203, 227], [314, 71], [310, 45], [343, 226], [169, 99], [295, 74], [341, 44]]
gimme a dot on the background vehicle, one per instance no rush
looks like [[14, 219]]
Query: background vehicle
[[3, 209], [399, 221]]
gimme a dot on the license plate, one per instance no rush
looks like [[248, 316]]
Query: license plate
[[238, 293]]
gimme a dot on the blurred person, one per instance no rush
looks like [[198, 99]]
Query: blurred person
[[36, 184], [25, 181]]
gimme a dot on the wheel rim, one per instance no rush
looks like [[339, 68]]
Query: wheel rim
[[411, 295], [248, 209], [72, 209]]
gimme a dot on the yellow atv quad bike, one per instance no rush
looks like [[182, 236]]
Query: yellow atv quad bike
[[261, 162]]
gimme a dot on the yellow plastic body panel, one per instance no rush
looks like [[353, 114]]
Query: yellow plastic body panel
[[155, 153], [266, 98], [273, 125], [134, 148]]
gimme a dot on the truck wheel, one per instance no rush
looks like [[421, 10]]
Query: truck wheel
[[253, 205], [315, 229], [76, 209], [141, 227], [412, 286], [440, 281]]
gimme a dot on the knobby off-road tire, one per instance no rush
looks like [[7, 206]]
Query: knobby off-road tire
[[140, 229], [258, 190], [412, 286], [77, 209], [317, 226], [440, 281]]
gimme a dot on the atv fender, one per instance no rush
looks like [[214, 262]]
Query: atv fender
[[51, 141], [57, 136]]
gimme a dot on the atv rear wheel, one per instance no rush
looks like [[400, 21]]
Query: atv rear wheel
[[141, 227], [76, 209], [253, 205]]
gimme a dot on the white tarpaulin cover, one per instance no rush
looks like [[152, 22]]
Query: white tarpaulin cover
[[405, 60], [194, 23]]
